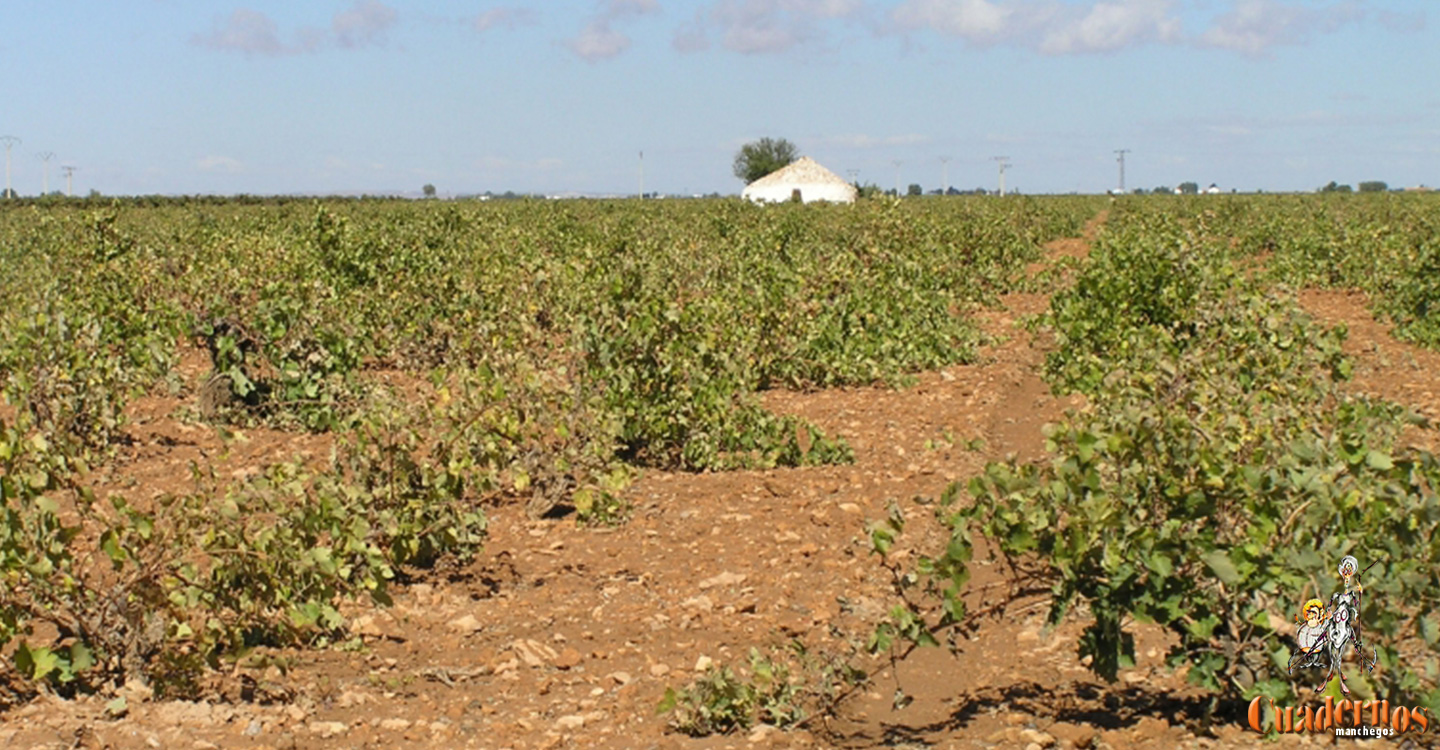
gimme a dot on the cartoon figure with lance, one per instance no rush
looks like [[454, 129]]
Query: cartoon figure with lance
[[1327, 630]]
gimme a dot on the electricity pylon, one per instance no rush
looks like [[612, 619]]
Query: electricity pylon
[[10, 141], [1003, 162], [46, 156]]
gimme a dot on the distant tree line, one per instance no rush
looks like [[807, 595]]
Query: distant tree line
[[1369, 186], [915, 190]]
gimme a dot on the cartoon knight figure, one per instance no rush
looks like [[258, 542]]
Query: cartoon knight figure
[[1349, 593], [1327, 630]]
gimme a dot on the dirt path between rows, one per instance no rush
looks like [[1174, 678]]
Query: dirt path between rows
[[566, 637], [1385, 366]]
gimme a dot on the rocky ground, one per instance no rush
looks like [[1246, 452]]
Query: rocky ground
[[559, 636]]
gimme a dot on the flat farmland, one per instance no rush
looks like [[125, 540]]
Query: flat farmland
[[949, 472]]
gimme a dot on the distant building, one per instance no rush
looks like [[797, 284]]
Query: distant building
[[1213, 189], [804, 177]]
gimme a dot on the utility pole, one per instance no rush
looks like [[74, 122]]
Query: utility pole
[[944, 175], [897, 163], [1003, 162], [1120, 153], [46, 156], [69, 180], [9, 141], [642, 175]]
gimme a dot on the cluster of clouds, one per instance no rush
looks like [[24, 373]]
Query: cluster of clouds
[[251, 32], [1051, 27], [599, 40]]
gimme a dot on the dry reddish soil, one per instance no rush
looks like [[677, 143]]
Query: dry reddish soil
[[560, 636], [1385, 366]]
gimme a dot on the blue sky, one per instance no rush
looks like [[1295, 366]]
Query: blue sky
[[172, 97]]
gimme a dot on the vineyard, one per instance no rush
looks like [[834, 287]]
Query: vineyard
[[391, 473]]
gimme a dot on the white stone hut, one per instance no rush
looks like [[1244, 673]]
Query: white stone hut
[[805, 177]]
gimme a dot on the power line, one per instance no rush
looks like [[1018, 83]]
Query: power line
[[9, 141]]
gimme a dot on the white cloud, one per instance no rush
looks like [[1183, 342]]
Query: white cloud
[[691, 37], [1054, 27], [251, 32], [1111, 26], [763, 36], [364, 24], [620, 8], [599, 40], [503, 17], [1254, 27], [216, 163], [979, 21], [247, 31], [763, 26]]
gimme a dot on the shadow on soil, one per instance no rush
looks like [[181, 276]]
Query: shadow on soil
[[1101, 707]]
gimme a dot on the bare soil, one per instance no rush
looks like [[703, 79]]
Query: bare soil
[[560, 636], [1385, 367]]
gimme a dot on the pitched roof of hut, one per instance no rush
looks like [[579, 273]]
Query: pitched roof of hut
[[804, 171]]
